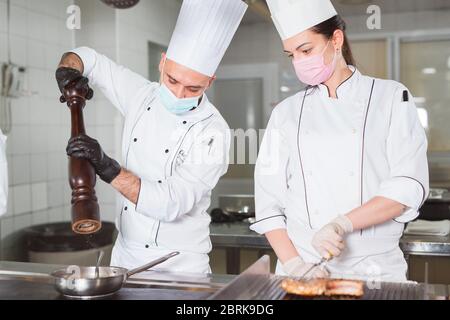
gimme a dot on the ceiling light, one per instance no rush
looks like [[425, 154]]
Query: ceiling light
[[285, 89], [419, 100], [429, 71]]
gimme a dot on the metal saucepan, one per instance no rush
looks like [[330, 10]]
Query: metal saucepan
[[86, 282]]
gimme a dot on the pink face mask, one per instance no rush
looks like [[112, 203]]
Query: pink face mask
[[313, 70]]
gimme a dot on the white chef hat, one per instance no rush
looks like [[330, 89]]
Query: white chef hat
[[294, 16], [203, 33]]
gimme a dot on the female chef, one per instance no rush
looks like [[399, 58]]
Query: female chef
[[343, 164]]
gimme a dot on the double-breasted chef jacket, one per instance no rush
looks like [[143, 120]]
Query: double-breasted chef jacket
[[179, 159], [322, 157], [3, 175]]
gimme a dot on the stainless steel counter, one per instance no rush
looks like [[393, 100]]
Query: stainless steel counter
[[30, 281], [236, 236], [239, 235]]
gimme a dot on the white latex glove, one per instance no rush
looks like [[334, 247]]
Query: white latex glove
[[296, 267], [329, 241]]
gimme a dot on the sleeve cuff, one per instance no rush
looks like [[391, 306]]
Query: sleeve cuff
[[270, 223], [405, 190], [89, 58], [407, 216]]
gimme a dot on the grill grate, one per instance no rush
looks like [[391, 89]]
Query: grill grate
[[269, 288]]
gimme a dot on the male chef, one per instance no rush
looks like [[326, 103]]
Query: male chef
[[175, 142]]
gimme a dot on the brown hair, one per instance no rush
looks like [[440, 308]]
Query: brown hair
[[327, 29]]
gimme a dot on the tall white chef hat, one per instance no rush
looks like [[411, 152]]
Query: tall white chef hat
[[203, 33], [294, 16]]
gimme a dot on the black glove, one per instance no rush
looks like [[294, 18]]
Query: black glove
[[65, 75], [85, 147]]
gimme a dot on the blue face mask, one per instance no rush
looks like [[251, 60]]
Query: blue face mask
[[174, 104]]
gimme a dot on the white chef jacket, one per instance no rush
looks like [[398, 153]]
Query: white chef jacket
[[3, 175], [322, 157], [179, 159]]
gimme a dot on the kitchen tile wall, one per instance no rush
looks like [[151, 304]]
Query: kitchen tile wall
[[39, 191]]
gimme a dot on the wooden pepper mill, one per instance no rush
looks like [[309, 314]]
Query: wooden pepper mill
[[82, 177]]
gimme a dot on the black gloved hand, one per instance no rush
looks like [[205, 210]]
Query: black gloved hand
[[65, 75], [85, 147]]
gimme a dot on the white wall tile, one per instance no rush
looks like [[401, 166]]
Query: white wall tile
[[53, 111], [21, 168], [55, 139], [37, 78], [67, 192], [66, 214], [20, 110], [22, 199], [55, 214], [41, 125], [19, 21], [53, 54], [39, 217], [10, 210], [20, 3], [51, 29], [19, 140], [55, 166], [36, 25], [105, 136], [38, 139], [19, 50], [3, 20], [21, 222], [3, 47], [35, 53], [56, 193], [66, 38], [39, 196], [38, 167], [7, 226], [39, 113], [10, 164]]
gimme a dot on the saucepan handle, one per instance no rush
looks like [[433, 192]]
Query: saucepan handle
[[152, 264]]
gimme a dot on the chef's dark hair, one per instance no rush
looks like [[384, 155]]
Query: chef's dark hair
[[328, 27]]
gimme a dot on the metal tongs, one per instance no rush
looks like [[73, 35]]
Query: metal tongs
[[321, 263]]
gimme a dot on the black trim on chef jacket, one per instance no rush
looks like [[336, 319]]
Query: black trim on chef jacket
[[300, 156], [173, 160], [362, 149], [363, 145], [424, 196], [328, 89], [274, 216]]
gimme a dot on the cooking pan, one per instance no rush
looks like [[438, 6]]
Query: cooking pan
[[94, 282]]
